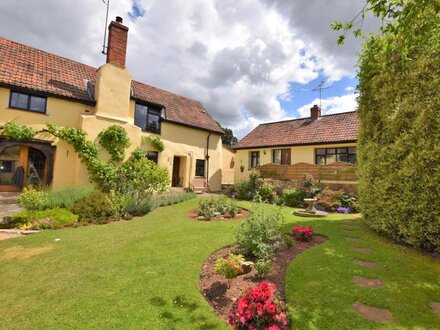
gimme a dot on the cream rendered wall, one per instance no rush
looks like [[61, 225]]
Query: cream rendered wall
[[58, 111], [299, 154], [228, 166]]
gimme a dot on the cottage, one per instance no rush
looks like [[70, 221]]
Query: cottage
[[37, 87], [290, 148]]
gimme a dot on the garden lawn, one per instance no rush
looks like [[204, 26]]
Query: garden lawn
[[144, 273]]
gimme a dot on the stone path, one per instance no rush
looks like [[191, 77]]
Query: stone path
[[371, 313], [435, 307]]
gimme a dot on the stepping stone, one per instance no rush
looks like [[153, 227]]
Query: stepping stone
[[365, 263], [353, 239], [364, 250], [368, 282], [371, 313], [435, 307]]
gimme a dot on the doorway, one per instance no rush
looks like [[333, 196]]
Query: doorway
[[176, 181], [22, 165]]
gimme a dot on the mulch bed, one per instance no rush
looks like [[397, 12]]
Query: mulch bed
[[221, 296], [242, 215]]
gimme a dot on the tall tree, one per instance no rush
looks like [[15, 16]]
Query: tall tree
[[228, 138]]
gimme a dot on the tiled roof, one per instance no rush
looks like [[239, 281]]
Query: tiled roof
[[25, 67], [342, 127]]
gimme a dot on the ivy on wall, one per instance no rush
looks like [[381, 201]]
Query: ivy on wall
[[115, 140], [155, 141]]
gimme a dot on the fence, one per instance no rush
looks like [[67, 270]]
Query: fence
[[336, 172]]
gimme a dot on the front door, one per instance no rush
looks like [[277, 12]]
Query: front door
[[175, 181]]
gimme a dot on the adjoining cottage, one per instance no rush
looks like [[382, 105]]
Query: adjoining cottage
[[37, 87], [303, 145]]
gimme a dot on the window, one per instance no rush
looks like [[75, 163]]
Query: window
[[27, 102], [254, 159], [281, 156], [6, 166], [324, 156], [147, 118], [153, 156], [200, 167]]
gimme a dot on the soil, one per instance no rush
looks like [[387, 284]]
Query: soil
[[221, 293], [368, 282], [373, 313], [242, 215], [435, 307], [365, 263]]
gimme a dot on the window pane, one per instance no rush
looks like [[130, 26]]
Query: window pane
[[342, 158], [320, 151], [320, 160], [19, 100], [331, 151], [11, 173], [330, 159], [140, 116], [352, 150], [352, 159], [153, 156], [153, 122], [38, 104], [342, 150], [277, 156], [200, 167]]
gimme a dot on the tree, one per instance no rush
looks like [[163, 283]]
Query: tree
[[228, 138], [398, 145]]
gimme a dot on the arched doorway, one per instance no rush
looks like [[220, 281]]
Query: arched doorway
[[23, 164]]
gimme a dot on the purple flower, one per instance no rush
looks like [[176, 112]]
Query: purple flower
[[319, 208], [345, 210]]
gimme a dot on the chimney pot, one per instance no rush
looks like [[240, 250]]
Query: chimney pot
[[315, 112], [117, 42]]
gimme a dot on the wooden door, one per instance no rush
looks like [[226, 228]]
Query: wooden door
[[176, 169], [285, 157]]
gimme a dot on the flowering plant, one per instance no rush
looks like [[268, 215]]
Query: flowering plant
[[259, 308], [303, 233], [345, 210]]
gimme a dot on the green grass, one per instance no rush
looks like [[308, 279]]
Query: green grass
[[144, 273]]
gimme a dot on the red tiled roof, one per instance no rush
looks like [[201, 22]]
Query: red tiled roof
[[342, 127], [25, 67]]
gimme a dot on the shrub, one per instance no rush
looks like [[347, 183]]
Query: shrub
[[287, 240], [293, 197], [99, 207], [260, 235], [259, 308], [329, 199], [47, 219], [399, 133], [267, 192], [303, 233], [32, 199], [247, 189], [229, 267], [217, 206], [262, 268], [66, 198]]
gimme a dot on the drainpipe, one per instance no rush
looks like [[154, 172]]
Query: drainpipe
[[207, 161]]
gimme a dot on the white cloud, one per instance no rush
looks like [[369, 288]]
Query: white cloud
[[349, 88], [237, 57], [331, 105]]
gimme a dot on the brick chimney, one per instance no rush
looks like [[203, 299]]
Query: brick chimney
[[117, 42], [315, 112]]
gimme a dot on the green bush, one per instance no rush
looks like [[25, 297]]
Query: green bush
[[266, 192], [398, 145], [66, 198], [293, 197], [262, 268], [46, 219], [216, 206], [32, 199], [247, 189], [229, 267], [260, 234], [98, 207]]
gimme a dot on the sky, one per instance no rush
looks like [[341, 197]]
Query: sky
[[247, 61]]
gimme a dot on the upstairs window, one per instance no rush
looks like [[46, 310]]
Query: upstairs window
[[153, 156], [254, 159], [147, 118], [27, 102], [200, 167], [325, 156]]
